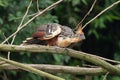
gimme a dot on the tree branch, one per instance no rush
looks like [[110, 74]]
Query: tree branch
[[31, 69], [76, 54], [60, 69], [115, 3], [91, 8], [20, 25]]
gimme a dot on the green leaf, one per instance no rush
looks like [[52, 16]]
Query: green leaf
[[101, 23], [1, 3], [115, 78], [58, 58], [1, 21], [11, 17], [96, 34], [4, 3], [85, 2], [75, 2], [14, 73]]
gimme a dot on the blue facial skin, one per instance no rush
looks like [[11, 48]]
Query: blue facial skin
[[82, 36]]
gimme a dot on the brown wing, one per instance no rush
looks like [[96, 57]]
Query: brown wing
[[66, 31], [30, 41], [47, 31], [39, 35]]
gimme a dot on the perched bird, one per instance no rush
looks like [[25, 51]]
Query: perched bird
[[54, 34]]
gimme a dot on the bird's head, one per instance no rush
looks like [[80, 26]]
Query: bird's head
[[78, 36], [80, 33]]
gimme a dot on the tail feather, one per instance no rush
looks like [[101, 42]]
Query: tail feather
[[30, 41]]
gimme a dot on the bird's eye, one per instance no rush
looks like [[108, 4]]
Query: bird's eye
[[63, 37], [81, 34]]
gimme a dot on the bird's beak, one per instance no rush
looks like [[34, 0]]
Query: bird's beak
[[82, 36]]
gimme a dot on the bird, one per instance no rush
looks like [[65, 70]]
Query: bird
[[54, 34]]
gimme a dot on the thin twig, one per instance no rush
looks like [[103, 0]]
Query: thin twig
[[38, 5], [5, 38], [22, 20], [105, 77], [5, 77], [109, 60], [20, 25], [115, 3], [39, 13], [87, 13], [8, 56], [29, 15]]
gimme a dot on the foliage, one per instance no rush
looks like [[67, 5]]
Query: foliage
[[102, 35]]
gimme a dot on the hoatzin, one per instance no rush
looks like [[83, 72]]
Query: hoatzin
[[54, 34]]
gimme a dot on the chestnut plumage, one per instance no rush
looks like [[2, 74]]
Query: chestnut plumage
[[54, 34]]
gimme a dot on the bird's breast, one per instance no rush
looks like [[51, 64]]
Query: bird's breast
[[63, 42]]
